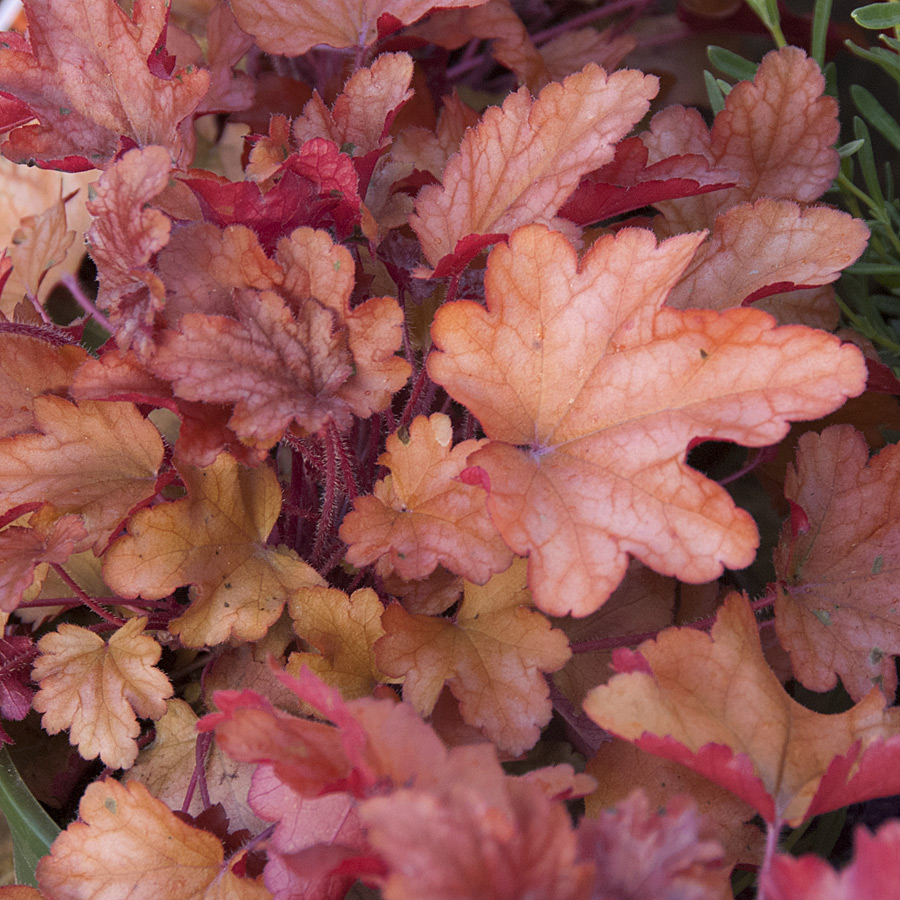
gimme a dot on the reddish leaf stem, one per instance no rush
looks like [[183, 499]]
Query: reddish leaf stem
[[85, 599], [85, 302]]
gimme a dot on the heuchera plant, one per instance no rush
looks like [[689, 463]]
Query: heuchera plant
[[366, 515]]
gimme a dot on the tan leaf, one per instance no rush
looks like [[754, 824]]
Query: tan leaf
[[97, 690], [98, 459], [215, 539], [493, 654], [344, 630], [421, 515], [127, 844]]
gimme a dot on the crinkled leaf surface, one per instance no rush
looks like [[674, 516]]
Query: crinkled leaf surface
[[23, 549], [712, 703], [493, 655], [97, 459], [302, 356], [522, 161], [129, 844], [768, 246], [606, 389], [422, 515], [344, 630], [214, 539], [644, 852], [837, 609], [291, 28], [776, 132], [86, 73], [30, 367], [97, 689]]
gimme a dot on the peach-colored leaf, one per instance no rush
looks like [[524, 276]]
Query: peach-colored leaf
[[493, 655], [363, 112], [421, 515], [711, 702], [23, 549], [605, 389], [768, 246], [291, 28], [97, 689], [40, 243], [344, 630], [98, 459], [30, 367], [777, 132], [522, 161], [836, 608], [126, 234], [126, 843], [214, 539], [302, 356], [85, 71]]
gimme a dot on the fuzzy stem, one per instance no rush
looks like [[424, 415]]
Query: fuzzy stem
[[85, 599], [82, 299]]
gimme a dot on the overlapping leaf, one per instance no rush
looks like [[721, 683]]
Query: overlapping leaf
[[836, 610], [422, 516], [605, 389], [289, 28], [522, 161], [214, 539], [129, 844], [30, 367], [493, 655], [98, 460], [97, 689], [712, 703], [302, 356], [344, 630], [873, 873], [86, 72], [776, 132]]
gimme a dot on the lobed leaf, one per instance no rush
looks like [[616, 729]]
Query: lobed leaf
[[606, 389]]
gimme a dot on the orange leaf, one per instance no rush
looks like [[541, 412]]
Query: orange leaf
[[290, 28], [344, 629], [98, 459], [759, 248], [493, 655], [215, 539], [126, 234], [364, 110], [836, 608], [522, 161], [40, 243], [97, 690], [22, 549], [30, 367], [712, 703], [777, 132], [607, 389], [129, 844], [115, 92], [422, 515], [303, 356]]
